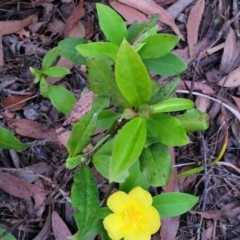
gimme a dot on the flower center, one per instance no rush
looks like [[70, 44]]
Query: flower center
[[133, 216]]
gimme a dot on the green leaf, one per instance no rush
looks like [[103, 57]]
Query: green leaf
[[84, 128], [194, 120], [167, 65], [104, 212], [9, 236], [67, 48], [94, 230], [172, 105], [167, 91], [106, 118], [101, 160], [98, 49], [158, 45], [167, 129], [149, 32], [50, 58], [9, 141], [132, 77], [112, 24], [134, 30], [173, 204], [84, 196], [135, 178], [56, 71], [156, 164], [36, 73], [44, 87], [72, 162], [62, 99], [102, 81], [128, 146], [190, 172]]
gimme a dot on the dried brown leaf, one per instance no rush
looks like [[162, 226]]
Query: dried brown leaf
[[202, 103], [63, 136], [14, 102], [7, 27], [193, 23], [237, 101], [56, 26], [83, 105], [150, 7], [230, 52], [129, 13], [32, 129], [233, 79], [38, 199], [18, 187], [60, 229], [77, 13], [169, 228]]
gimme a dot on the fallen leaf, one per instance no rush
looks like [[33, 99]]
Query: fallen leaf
[[202, 103], [193, 23], [233, 79], [18, 187], [60, 229], [237, 101], [164, 2], [230, 210], [56, 26], [176, 8], [32, 129], [150, 7], [77, 13], [129, 13], [7, 27], [230, 52], [63, 136], [38, 199], [14, 102], [83, 105]]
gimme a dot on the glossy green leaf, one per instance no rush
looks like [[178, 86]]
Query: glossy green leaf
[[106, 118], [84, 128], [112, 25], [167, 129], [166, 91], [149, 32], [167, 65], [132, 77], [44, 87], [9, 236], [134, 31], [84, 196], [62, 99], [158, 45], [150, 140], [9, 141], [101, 160], [50, 58], [102, 81], [104, 212], [56, 71], [95, 228], [135, 179], [98, 49], [72, 162], [191, 171], [194, 120], [173, 204], [172, 105], [35, 72], [67, 48], [156, 164], [128, 146]]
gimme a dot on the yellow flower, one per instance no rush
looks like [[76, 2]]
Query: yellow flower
[[133, 217]]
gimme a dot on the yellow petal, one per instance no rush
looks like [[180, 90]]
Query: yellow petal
[[115, 226], [139, 236], [141, 195], [151, 220], [118, 202]]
